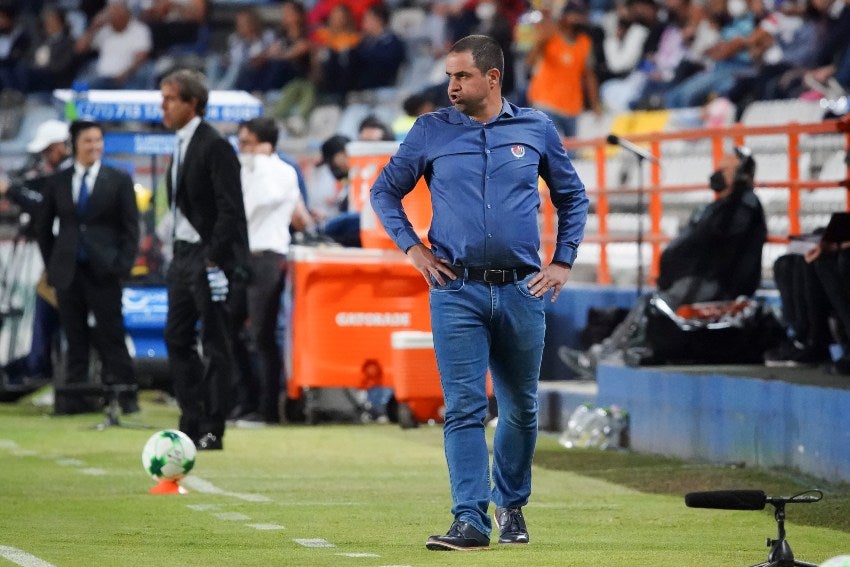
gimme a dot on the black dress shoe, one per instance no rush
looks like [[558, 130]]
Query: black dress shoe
[[511, 525], [462, 536], [209, 442]]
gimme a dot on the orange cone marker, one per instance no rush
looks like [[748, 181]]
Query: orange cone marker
[[168, 486]]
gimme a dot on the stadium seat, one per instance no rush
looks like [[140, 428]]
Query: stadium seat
[[775, 113]]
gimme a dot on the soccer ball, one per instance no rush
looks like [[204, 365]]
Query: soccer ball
[[839, 561], [168, 455]]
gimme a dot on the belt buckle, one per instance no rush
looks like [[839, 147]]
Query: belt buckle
[[494, 276]]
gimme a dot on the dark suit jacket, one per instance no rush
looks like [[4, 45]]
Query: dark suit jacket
[[109, 230], [209, 194]]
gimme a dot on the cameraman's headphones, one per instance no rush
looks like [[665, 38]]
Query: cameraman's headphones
[[746, 163]]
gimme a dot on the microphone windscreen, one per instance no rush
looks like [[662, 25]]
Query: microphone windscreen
[[612, 139], [727, 499]]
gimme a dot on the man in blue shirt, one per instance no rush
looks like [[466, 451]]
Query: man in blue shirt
[[481, 160]]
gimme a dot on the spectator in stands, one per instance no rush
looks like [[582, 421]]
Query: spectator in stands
[[643, 87], [285, 59], [376, 61], [380, 53], [123, 44], [294, 53], [562, 69], [177, 26], [781, 42], [832, 60], [53, 63], [321, 11], [245, 46], [332, 70], [726, 58], [15, 43], [625, 45]]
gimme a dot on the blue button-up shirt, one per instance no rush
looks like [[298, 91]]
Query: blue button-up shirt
[[483, 180]]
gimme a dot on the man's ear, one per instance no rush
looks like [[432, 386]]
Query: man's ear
[[494, 77]]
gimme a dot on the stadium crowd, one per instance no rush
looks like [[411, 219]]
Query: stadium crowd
[[368, 55]]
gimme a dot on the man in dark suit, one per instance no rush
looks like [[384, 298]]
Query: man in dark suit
[[210, 245], [94, 249]]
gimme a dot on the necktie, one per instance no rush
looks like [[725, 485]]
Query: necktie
[[82, 203], [175, 173], [83, 197]]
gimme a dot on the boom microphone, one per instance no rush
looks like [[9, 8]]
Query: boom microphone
[[745, 499], [727, 499], [634, 148]]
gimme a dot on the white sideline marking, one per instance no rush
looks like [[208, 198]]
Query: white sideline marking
[[94, 471], [22, 558], [318, 542], [203, 507], [24, 453], [355, 555], [201, 485], [7, 444], [266, 527], [65, 462], [232, 516]]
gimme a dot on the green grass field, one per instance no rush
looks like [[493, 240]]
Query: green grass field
[[366, 496]]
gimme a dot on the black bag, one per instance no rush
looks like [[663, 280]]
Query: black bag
[[601, 322], [718, 332]]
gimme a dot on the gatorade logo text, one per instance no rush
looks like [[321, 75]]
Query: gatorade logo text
[[367, 319]]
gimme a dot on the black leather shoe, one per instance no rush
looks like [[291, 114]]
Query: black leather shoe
[[462, 536], [209, 442], [511, 525]]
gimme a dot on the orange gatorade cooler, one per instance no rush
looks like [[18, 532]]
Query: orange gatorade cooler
[[416, 382], [344, 305]]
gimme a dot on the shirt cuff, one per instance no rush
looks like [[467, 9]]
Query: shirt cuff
[[565, 254]]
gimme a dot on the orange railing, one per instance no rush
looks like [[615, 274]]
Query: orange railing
[[720, 139]]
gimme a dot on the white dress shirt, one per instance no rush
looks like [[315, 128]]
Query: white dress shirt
[[270, 193]]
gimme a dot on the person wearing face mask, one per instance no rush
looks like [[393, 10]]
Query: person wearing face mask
[[716, 257], [272, 203]]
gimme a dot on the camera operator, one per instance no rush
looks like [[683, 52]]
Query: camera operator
[[717, 256], [48, 154]]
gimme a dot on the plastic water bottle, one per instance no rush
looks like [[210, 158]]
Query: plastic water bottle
[[79, 91]]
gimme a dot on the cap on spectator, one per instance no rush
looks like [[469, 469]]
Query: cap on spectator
[[47, 133], [333, 146], [574, 6]]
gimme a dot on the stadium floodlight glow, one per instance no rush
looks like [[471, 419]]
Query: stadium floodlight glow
[[780, 554]]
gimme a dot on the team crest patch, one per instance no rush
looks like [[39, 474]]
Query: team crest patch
[[518, 151]]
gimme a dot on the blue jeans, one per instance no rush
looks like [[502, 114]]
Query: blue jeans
[[476, 325]]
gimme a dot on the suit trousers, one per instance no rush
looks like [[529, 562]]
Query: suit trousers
[[100, 296], [202, 373]]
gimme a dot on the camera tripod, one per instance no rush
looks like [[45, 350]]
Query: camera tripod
[[780, 554]]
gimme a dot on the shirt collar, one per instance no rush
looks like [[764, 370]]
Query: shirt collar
[[188, 130], [80, 169], [458, 117]]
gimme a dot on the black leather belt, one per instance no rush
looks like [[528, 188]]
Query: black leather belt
[[493, 275]]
